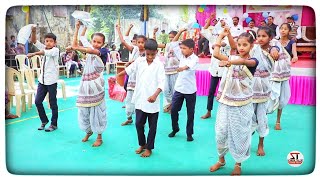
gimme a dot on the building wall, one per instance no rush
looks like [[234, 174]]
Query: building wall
[[59, 18]]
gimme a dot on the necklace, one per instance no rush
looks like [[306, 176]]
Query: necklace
[[284, 42]]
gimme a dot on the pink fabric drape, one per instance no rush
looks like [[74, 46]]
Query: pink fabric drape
[[303, 88], [308, 16], [202, 16]]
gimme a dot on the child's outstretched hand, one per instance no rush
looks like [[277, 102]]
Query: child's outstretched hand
[[155, 29], [152, 99], [118, 27], [69, 48], [294, 59], [212, 15], [29, 55], [34, 28], [224, 64], [183, 29], [274, 54], [225, 31], [78, 24]]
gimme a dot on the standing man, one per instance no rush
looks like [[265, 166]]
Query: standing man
[[272, 25], [236, 29]]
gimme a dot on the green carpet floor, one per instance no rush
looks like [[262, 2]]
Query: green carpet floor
[[29, 151]]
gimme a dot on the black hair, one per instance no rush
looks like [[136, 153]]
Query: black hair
[[98, 34], [248, 35], [271, 17], [142, 37], [289, 27], [263, 21], [12, 36], [173, 32], [290, 17], [252, 21], [134, 36], [236, 17], [50, 35], [266, 29], [151, 44], [188, 42]]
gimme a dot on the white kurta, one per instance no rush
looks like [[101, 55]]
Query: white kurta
[[148, 79]]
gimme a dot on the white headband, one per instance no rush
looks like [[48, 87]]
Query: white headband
[[252, 35]]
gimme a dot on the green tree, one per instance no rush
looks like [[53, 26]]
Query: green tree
[[104, 17]]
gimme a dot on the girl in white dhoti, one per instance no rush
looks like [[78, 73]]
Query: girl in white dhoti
[[261, 83], [90, 101], [281, 74], [137, 50], [235, 110]]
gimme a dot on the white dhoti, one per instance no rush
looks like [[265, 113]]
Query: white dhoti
[[93, 119], [233, 131], [168, 91], [129, 105], [280, 95], [260, 119]]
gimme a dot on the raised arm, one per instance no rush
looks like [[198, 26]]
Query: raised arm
[[33, 34], [76, 32], [154, 36], [129, 47], [208, 21], [129, 29], [231, 40], [216, 50], [178, 34]]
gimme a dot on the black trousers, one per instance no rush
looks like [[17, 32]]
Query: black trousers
[[41, 94], [141, 119], [177, 101], [213, 86], [203, 45]]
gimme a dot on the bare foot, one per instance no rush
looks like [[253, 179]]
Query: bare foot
[[97, 143], [11, 116], [277, 127], [206, 116], [85, 139], [217, 166], [129, 121], [146, 153], [236, 171], [260, 151], [140, 149]]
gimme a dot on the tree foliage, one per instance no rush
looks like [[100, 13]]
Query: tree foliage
[[105, 17]]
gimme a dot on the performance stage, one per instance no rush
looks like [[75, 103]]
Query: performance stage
[[302, 81]]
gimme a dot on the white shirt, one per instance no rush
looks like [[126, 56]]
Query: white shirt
[[148, 79], [236, 30], [49, 73], [186, 80]]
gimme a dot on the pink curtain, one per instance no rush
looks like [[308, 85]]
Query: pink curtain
[[202, 16], [308, 16], [303, 88]]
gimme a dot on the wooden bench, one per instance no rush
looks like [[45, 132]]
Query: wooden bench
[[307, 43]]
